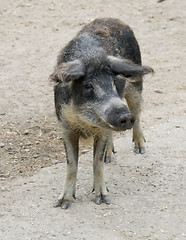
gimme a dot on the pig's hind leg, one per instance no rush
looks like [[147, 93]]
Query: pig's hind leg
[[100, 148], [71, 148], [133, 95]]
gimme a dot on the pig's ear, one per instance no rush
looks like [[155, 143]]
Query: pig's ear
[[127, 67], [69, 71]]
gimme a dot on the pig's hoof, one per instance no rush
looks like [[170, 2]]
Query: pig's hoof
[[62, 204], [106, 199], [57, 203], [140, 150], [65, 205], [107, 159], [102, 198], [98, 200]]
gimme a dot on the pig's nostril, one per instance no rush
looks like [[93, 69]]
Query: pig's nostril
[[123, 121]]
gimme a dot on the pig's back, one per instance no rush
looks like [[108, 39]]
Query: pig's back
[[112, 35], [115, 37]]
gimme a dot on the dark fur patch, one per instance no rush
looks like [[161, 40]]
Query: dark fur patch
[[113, 36]]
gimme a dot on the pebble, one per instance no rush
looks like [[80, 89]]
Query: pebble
[[2, 145], [26, 132], [84, 151], [158, 91]]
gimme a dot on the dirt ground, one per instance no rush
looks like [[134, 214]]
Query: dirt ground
[[147, 191]]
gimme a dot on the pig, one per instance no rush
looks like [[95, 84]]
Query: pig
[[95, 71]]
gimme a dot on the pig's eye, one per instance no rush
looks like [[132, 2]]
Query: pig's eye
[[88, 86], [88, 90]]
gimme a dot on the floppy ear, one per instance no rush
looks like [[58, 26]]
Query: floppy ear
[[68, 71], [127, 67]]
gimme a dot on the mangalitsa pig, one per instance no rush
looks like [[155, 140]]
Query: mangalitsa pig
[[94, 72]]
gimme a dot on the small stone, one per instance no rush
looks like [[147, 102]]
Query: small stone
[[158, 91], [26, 132], [84, 151], [2, 145]]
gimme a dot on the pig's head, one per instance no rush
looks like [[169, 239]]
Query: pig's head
[[97, 86]]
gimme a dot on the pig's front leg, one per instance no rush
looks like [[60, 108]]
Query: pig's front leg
[[71, 148], [100, 147]]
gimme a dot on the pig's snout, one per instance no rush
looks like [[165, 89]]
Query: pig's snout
[[120, 118], [125, 121]]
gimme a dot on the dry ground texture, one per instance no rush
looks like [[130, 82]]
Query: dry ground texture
[[147, 191]]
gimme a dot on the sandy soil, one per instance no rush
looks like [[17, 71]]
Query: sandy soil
[[147, 191]]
